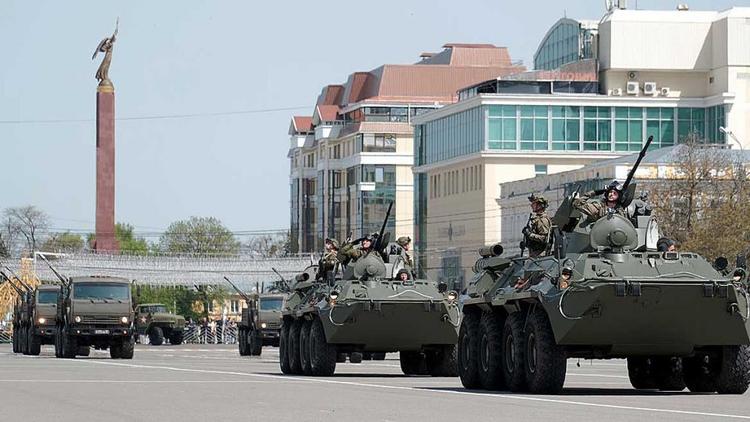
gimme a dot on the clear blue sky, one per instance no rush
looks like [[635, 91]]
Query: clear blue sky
[[183, 57]]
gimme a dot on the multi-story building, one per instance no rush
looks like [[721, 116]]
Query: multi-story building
[[669, 74], [354, 155]]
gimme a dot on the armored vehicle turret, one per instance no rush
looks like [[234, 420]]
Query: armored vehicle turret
[[367, 309], [605, 292]]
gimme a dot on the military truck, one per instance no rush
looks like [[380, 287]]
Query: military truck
[[368, 310], [155, 321], [261, 319], [605, 292], [21, 312], [41, 325], [94, 311]]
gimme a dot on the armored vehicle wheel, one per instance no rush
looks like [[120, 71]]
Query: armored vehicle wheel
[[304, 348], [340, 357], [545, 361], [35, 345], [642, 373], [355, 357], [83, 351], [669, 374], [284, 348], [413, 363], [468, 350], [378, 356], [156, 336], [176, 337], [255, 343], [294, 347], [69, 345], [115, 351], [366, 356], [242, 342], [514, 352], [442, 362], [323, 356], [127, 348], [734, 375], [490, 351]]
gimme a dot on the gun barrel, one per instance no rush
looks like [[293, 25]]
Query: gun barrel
[[240, 292], [641, 154], [491, 250], [379, 243], [62, 278]]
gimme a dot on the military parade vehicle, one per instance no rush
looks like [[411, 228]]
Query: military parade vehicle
[[604, 291], [41, 328], [94, 311], [261, 318], [156, 322], [368, 310], [21, 313]]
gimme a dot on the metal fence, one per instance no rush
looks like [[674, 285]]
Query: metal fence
[[207, 335]]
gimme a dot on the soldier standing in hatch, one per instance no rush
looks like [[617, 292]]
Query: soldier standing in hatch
[[405, 243], [610, 202], [329, 260], [537, 231], [350, 253]]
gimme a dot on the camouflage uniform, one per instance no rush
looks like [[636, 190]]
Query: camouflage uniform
[[403, 241], [349, 253], [329, 260], [537, 230], [595, 210]]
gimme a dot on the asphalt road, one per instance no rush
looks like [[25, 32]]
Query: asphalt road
[[201, 383]]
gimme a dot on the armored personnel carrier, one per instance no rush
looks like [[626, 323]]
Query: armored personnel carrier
[[155, 321], [368, 310], [605, 292]]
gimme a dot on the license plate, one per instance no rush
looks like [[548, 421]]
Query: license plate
[[101, 331]]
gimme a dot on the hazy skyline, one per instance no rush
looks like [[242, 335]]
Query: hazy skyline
[[210, 58]]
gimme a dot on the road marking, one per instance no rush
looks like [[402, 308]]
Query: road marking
[[423, 389], [134, 381]]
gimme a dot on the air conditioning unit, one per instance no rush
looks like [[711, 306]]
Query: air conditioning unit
[[615, 92], [632, 75], [632, 88], [665, 91], [649, 88]]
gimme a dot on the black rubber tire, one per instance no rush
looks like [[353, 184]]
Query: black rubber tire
[[378, 356], [284, 347], [24, 342], [35, 345], [69, 346], [323, 356], [127, 349], [242, 342], [514, 352], [83, 351], [366, 355], [340, 357], [413, 363], [355, 357], [115, 350], [443, 362], [669, 373], [700, 373], [468, 351], [734, 372], [15, 339], [304, 348], [490, 351], [255, 342], [546, 362], [58, 342], [642, 373], [156, 336], [176, 337], [294, 347]]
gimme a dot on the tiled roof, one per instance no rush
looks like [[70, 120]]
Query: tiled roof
[[326, 113], [302, 124]]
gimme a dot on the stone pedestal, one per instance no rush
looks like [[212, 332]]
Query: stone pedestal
[[105, 169]]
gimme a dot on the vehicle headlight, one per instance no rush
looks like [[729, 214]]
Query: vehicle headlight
[[334, 295], [42, 320], [77, 318], [263, 325], [124, 320], [452, 295]]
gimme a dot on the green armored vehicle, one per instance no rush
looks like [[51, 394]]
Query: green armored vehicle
[[155, 321], [261, 318], [369, 310], [605, 292]]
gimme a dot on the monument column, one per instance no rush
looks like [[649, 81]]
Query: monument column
[[105, 168]]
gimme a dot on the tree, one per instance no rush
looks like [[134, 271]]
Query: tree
[[269, 245], [30, 222], [206, 235], [63, 242], [128, 242], [4, 251]]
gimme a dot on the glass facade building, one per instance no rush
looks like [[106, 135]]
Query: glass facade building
[[567, 41]]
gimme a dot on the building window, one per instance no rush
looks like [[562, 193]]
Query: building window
[[628, 128], [660, 125], [715, 119], [370, 142], [597, 129], [540, 169], [234, 306], [502, 127], [566, 128], [691, 121], [534, 133]]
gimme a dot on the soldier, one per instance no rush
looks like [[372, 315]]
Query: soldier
[[666, 244], [537, 231], [350, 253], [610, 202], [329, 260], [405, 243]]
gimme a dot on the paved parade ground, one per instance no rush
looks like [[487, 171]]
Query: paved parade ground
[[200, 383]]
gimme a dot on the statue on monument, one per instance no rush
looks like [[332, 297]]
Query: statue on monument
[[105, 46]]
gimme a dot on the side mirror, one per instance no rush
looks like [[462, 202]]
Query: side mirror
[[721, 263]]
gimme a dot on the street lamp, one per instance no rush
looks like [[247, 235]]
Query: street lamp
[[726, 131]]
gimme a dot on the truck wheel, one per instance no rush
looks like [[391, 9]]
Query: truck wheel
[[242, 341], [340, 357], [442, 362], [490, 351], [284, 347], [379, 356], [669, 373], [642, 373], [156, 336], [366, 356], [294, 348], [255, 343], [355, 357], [83, 351], [115, 350], [323, 356], [15, 340], [413, 363], [58, 342], [24, 342], [734, 370], [35, 345], [545, 360], [176, 337], [304, 348], [514, 352], [468, 351], [69, 345], [127, 348]]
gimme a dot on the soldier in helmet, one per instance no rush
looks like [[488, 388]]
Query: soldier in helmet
[[609, 203], [405, 243], [329, 260], [537, 231], [350, 253]]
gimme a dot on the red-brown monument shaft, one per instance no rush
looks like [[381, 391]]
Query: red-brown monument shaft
[[105, 169]]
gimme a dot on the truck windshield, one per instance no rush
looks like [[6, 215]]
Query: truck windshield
[[160, 309], [100, 291], [46, 296], [270, 303]]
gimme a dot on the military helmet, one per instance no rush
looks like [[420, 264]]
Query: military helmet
[[403, 240], [539, 199], [333, 242], [614, 185]]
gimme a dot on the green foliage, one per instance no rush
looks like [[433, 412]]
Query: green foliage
[[199, 235], [128, 242], [4, 252], [63, 242]]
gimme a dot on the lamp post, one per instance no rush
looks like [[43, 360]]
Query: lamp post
[[731, 134]]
